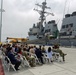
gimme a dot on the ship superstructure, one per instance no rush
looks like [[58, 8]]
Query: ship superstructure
[[66, 36], [68, 29], [38, 30], [51, 29]]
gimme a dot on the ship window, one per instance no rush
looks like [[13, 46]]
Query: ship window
[[63, 34], [63, 26], [71, 25], [66, 26], [48, 30], [35, 34], [70, 33], [55, 24]]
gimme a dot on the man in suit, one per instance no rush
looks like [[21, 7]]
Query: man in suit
[[39, 54], [13, 59]]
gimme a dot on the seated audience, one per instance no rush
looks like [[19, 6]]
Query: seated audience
[[49, 54], [39, 54], [56, 49], [12, 58], [28, 56]]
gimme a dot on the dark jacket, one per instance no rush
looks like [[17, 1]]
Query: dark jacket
[[38, 53], [12, 58]]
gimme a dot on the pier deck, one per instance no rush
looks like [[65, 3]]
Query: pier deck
[[57, 68]]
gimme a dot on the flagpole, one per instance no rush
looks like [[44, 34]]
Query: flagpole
[[1, 19], [1, 10]]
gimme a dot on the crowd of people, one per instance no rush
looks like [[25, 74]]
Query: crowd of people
[[15, 53]]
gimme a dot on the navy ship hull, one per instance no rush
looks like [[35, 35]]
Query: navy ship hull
[[61, 42]]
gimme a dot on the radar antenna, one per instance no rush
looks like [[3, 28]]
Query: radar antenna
[[42, 12]]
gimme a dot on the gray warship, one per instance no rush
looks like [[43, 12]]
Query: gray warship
[[47, 32], [38, 31]]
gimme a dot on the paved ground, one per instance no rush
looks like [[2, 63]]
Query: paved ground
[[57, 68], [1, 68]]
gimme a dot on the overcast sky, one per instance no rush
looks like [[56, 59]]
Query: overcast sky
[[19, 15]]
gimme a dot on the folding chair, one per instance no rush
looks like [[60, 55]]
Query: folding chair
[[36, 59], [56, 56], [46, 59], [4, 61], [9, 64], [25, 62]]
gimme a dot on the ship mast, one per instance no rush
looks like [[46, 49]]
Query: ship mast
[[42, 13]]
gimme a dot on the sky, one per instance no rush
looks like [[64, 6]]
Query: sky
[[19, 15]]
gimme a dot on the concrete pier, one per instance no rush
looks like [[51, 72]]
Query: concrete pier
[[57, 68]]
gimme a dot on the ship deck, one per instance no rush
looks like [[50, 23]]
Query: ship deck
[[57, 68]]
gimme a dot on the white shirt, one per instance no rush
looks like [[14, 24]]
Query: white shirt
[[49, 54]]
